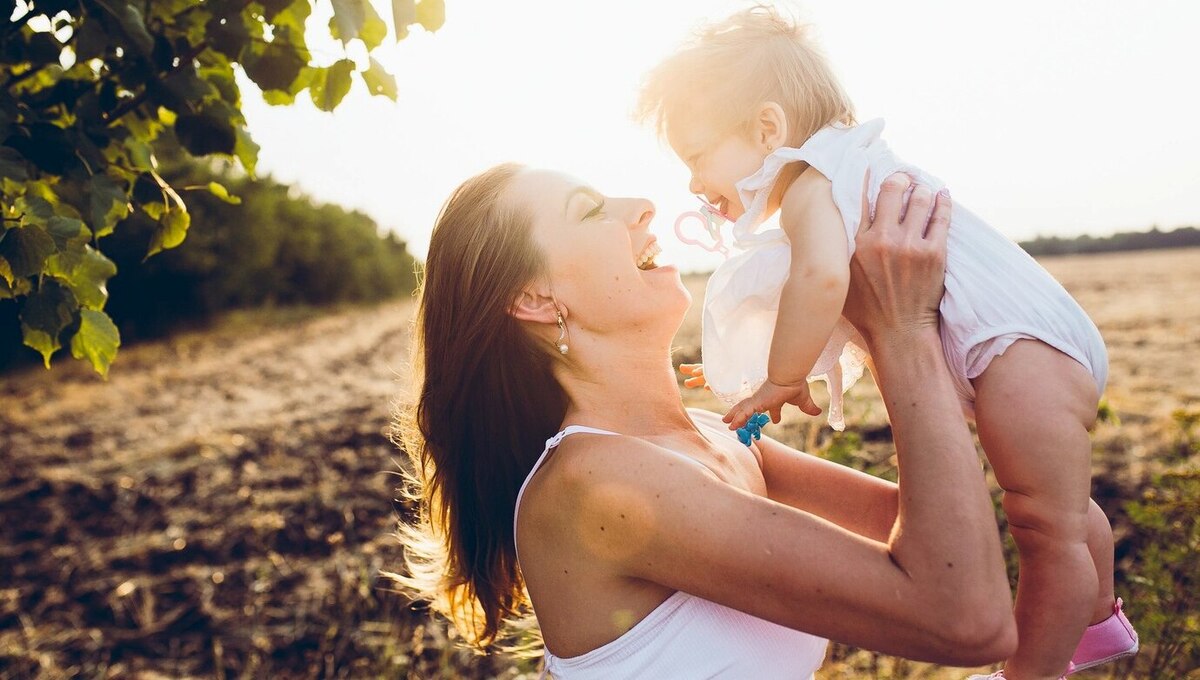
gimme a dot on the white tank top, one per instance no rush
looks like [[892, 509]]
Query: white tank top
[[687, 636]]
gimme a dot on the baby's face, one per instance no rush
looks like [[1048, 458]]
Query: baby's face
[[717, 163]]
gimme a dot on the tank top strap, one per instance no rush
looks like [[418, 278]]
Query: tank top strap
[[550, 444]]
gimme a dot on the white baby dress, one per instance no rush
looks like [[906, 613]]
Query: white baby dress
[[995, 292]]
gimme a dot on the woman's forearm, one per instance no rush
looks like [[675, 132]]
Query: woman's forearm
[[945, 532]]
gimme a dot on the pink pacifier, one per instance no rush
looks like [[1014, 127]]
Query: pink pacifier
[[710, 220]]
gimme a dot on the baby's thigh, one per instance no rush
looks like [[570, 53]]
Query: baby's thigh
[[1034, 406]]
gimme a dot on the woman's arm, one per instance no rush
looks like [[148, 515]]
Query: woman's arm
[[935, 590], [853, 500]]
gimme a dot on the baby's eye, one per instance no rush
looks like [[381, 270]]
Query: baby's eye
[[595, 211]]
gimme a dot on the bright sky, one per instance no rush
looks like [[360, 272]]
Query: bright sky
[[1066, 117]]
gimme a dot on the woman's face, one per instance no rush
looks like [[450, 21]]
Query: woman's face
[[600, 255]]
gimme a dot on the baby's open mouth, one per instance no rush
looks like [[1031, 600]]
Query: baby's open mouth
[[645, 259]]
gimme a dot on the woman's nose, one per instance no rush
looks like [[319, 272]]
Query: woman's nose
[[641, 211]]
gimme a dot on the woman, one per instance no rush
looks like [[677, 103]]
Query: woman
[[652, 543]]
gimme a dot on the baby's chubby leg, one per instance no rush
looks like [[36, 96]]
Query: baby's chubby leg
[[1034, 407]]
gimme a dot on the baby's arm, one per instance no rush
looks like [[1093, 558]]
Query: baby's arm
[[811, 301], [815, 292]]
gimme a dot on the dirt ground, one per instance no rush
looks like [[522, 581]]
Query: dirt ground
[[222, 506]]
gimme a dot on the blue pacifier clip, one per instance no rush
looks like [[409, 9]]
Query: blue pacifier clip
[[753, 428]]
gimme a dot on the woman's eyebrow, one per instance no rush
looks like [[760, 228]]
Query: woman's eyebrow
[[582, 190]]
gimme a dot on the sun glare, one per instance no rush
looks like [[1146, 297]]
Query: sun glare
[[1040, 130]]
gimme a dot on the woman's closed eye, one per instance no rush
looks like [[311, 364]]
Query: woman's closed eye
[[595, 212]]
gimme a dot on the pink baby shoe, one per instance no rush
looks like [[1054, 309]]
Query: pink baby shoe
[[1111, 639]]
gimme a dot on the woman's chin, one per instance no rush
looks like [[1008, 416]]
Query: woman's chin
[[667, 269]]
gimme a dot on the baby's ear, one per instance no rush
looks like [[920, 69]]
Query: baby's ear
[[532, 305], [772, 126]]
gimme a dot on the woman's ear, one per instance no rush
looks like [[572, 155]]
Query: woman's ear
[[534, 305], [772, 126]]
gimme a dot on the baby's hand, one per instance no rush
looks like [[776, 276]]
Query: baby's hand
[[696, 371], [770, 399]]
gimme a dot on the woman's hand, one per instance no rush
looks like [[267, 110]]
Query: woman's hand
[[899, 263]]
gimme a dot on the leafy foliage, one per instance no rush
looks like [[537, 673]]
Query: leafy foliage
[[1165, 585], [1183, 237], [252, 243], [1159, 535], [87, 87]]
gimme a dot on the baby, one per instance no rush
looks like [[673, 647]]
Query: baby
[[758, 117]]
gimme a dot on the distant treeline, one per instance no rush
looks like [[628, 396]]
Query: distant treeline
[[1182, 237], [277, 247]]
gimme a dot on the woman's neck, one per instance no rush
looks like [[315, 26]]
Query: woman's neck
[[623, 389]]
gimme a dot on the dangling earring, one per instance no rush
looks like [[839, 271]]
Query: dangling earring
[[562, 333]]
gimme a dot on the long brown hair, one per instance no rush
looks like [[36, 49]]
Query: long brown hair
[[487, 402]]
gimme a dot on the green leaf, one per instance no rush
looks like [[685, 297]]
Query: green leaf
[[330, 85], [217, 189], [86, 273], [34, 207], [184, 85], [171, 232], [132, 25], [42, 48], [278, 97], [140, 153], [404, 14], [431, 14], [97, 340], [274, 66], [107, 204], [68, 232], [273, 7], [246, 149], [12, 164], [26, 249], [205, 133], [6, 272], [16, 288], [46, 313], [227, 35], [90, 40], [154, 211], [292, 20], [373, 30], [222, 78], [348, 18], [379, 81]]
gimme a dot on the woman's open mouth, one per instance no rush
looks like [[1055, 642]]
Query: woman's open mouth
[[645, 259]]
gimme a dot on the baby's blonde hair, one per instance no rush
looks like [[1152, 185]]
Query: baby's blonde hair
[[728, 69]]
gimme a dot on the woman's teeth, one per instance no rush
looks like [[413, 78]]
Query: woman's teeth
[[645, 260]]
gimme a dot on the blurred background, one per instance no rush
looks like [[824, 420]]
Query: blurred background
[[213, 218]]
